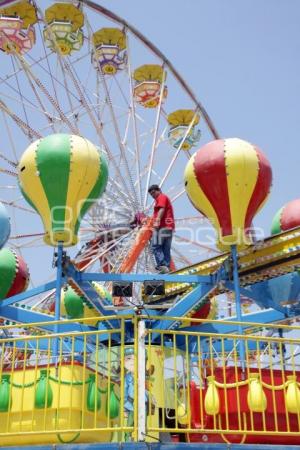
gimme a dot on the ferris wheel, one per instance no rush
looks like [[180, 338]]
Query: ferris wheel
[[75, 67]]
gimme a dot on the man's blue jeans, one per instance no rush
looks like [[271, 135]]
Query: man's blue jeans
[[161, 246]]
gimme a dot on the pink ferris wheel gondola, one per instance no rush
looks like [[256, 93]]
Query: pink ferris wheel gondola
[[13, 38], [17, 34]]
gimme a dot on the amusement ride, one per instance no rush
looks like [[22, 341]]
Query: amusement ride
[[95, 345]]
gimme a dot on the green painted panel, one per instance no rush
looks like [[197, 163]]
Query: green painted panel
[[7, 271], [97, 190], [276, 223], [53, 163]]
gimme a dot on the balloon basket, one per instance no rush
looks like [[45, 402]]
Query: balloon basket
[[235, 409], [30, 421]]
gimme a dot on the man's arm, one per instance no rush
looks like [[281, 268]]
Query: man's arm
[[158, 217]]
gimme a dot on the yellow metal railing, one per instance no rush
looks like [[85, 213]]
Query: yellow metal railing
[[76, 394], [209, 394], [83, 386]]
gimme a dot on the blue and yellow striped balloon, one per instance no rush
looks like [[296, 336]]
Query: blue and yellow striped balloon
[[61, 176]]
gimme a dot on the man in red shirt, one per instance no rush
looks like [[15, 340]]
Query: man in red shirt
[[164, 226]]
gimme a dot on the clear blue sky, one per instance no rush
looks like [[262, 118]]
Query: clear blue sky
[[242, 59]]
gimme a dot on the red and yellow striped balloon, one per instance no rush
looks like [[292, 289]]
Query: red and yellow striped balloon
[[228, 180]]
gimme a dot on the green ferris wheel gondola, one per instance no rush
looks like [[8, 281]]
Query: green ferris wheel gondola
[[61, 176]]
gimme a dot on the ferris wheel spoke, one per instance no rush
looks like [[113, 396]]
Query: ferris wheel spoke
[[154, 141], [26, 236], [96, 125], [13, 202], [123, 251], [177, 196], [134, 124], [8, 172], [197, 220], [101, 103], [197, 244], [23, 208], [27, 130], [118, 135], [178, 151], [19, 91], [30, 243], [109, 247], [181, 257], [38, 98], [119, 194], [30, 108], [31, 77], [53, 78], [64, 66], [73, 109], [49, 71], [125, 137], [127, 76], [11, 142]]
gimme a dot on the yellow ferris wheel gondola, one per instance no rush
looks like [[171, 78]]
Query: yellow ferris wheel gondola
[[109, 50], [25, 10], [17, 33], [150, 79], [183, 133], [63, 32]]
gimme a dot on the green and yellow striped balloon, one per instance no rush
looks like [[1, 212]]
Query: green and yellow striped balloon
[[61, 176]]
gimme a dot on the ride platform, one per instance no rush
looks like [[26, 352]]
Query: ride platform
[[156, 446]]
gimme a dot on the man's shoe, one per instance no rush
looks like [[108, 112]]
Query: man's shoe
[[163, 269]]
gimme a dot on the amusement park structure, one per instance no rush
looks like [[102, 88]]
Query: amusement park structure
[[106, 352]]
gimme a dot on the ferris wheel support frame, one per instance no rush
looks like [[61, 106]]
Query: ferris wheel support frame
[[114, 17], [203, 286]]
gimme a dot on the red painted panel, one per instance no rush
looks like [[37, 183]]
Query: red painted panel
[[21, 279], [210, 172], [200, 420], [202, 313], [262, 187], [290, 217]]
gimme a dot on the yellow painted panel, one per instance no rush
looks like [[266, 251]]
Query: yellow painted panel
[[24, 418], [242, 169], [84, 172]]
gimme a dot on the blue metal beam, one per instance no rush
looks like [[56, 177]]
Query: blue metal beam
[[31, 293], [140, 278], [93, 296], [26, 316], [183, 307], [262, 298], [261, 317]]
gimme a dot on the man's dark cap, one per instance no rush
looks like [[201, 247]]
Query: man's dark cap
[[153, 187]]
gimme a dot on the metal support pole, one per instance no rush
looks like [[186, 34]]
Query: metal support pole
[[58, 296], [238, 308], [141, 381]]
